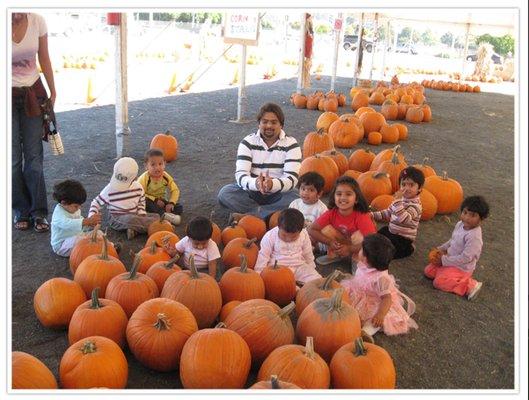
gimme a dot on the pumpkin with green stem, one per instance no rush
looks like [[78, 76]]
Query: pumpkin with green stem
[[150, 256], [241, 283], [161, 270], [280, 284]]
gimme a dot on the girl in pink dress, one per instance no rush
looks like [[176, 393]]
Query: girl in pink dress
[[374, 293]]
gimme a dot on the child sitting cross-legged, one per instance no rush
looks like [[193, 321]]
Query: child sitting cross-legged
[[161, 192], [374, 293], [289, 244], [452, 264], [197, 243], [67, 223], [310, 187]]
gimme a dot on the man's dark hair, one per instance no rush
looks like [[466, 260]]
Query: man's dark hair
[[476, 204], [273, 108], [291, 220], [312, 178], [154, 152], [378, 250], [199, 228], [69, 191]]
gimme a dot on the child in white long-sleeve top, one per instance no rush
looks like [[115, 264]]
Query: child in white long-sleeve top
[[404, 213], [452, 264], [125, 200], [310, 187], [289, 244], [67, 223]]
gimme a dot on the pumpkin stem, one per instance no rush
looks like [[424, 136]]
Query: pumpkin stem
[[193, 268], [336, 299], [395, 158], [162, 323], [309, 348], [321, 131], [168, 132], [285, 311], [360, 349], [152, 249], [275, 265], [104, 252], [244, 264], [445, 176], [93, 236], [88, 347], [327, 283], [249, 243], [134, 269], [220, 325], [380, 175], [274, 382], [95, 299], [424, 160], [169, 264]]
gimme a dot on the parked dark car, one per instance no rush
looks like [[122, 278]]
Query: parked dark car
[[496, 58], [350, 42]]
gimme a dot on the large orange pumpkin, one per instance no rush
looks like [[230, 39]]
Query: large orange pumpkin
[[157, 332], [361, 99], [28, 372], [414, 115], [237, 247], [130, 289], [339, 158], [324, 166], [300, 100], [160, 237], [429, 204], [298, 364], [317, 289], [393, 168], [447, 191], [331, 322], [161, 270], [160, 226], [372, 122], [221, 352], [390, 133], [216, 234], [317, 142], [359, 365], [197, 291], [390, 110], [231, 232], [280, 284], [95, 361], [373, 184], [55, 301], [151, 255], [381, 202], [325, 120], [254, 226], [88, 245], [361, 159], [241, 283], [263, 326], [97, 270], [385, 155], [98, 317], [344, 133], [167, 143], [377, 98], [426, 169]]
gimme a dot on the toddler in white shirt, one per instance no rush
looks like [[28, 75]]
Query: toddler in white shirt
[[310, 187]]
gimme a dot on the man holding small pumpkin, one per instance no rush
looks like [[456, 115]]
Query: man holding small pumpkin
[[267, 168]]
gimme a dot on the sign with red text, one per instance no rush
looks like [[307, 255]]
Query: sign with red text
[[241, 28], [337, 24]]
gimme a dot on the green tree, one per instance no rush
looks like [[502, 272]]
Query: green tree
[[428, 38], [404, 36], [502, 44], [447, 38]]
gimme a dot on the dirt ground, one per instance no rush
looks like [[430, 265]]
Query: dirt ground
[[459, 344]]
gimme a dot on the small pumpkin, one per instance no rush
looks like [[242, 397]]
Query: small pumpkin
[[414, 115], [429, 204], [160, 225], [157, 332], [162, 236], [426, 169], [359, 365], [361, 159], [390, 110], [227, 309], [161, 270], [360, 99], [385, 155], [273, 220], [300, 100], [231, 232], [280, 284], [381, 202], [98, 317], [447, 191], [427, 113], [273, 383], [325, 120], [222, 352], [403, 131], [197, 291], [95, 361], [55, 301], [167, 143], [151, 255], [300, 365], [363, 110], [373, 184], [374, 138], [372, 122], [339, 158], [28, 372], [393, 168], [237, 247], [317, 289], [377, 98], [241, 283], [130, 289], [324, 166], [216, 234], [344, 133], [88, 245], [390, 133]]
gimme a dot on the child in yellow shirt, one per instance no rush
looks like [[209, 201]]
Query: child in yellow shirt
[[161, 192]]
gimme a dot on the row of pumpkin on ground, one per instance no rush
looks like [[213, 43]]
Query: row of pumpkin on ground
[[174, 331]]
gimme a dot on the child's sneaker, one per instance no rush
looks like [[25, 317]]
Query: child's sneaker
[[366, 337], [474, 292], [173, 218], [131, 233]]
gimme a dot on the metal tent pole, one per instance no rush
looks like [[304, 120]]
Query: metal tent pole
[[301, 54], [358, 49], [337, 34], [123, 132], [241, 100]]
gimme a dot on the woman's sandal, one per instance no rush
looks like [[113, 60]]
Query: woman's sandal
[[40, 224], [22, 223]]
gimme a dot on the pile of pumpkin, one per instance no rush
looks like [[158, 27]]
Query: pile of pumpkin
[[378, 175], [453, 86], [173, 319], [317, 100]]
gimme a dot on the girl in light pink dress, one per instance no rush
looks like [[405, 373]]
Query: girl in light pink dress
[[374, 293]]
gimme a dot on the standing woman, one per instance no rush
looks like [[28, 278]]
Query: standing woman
[[29, 40]]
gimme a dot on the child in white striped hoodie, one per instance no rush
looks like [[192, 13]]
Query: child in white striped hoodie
[[124, 198], [404, 213]]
